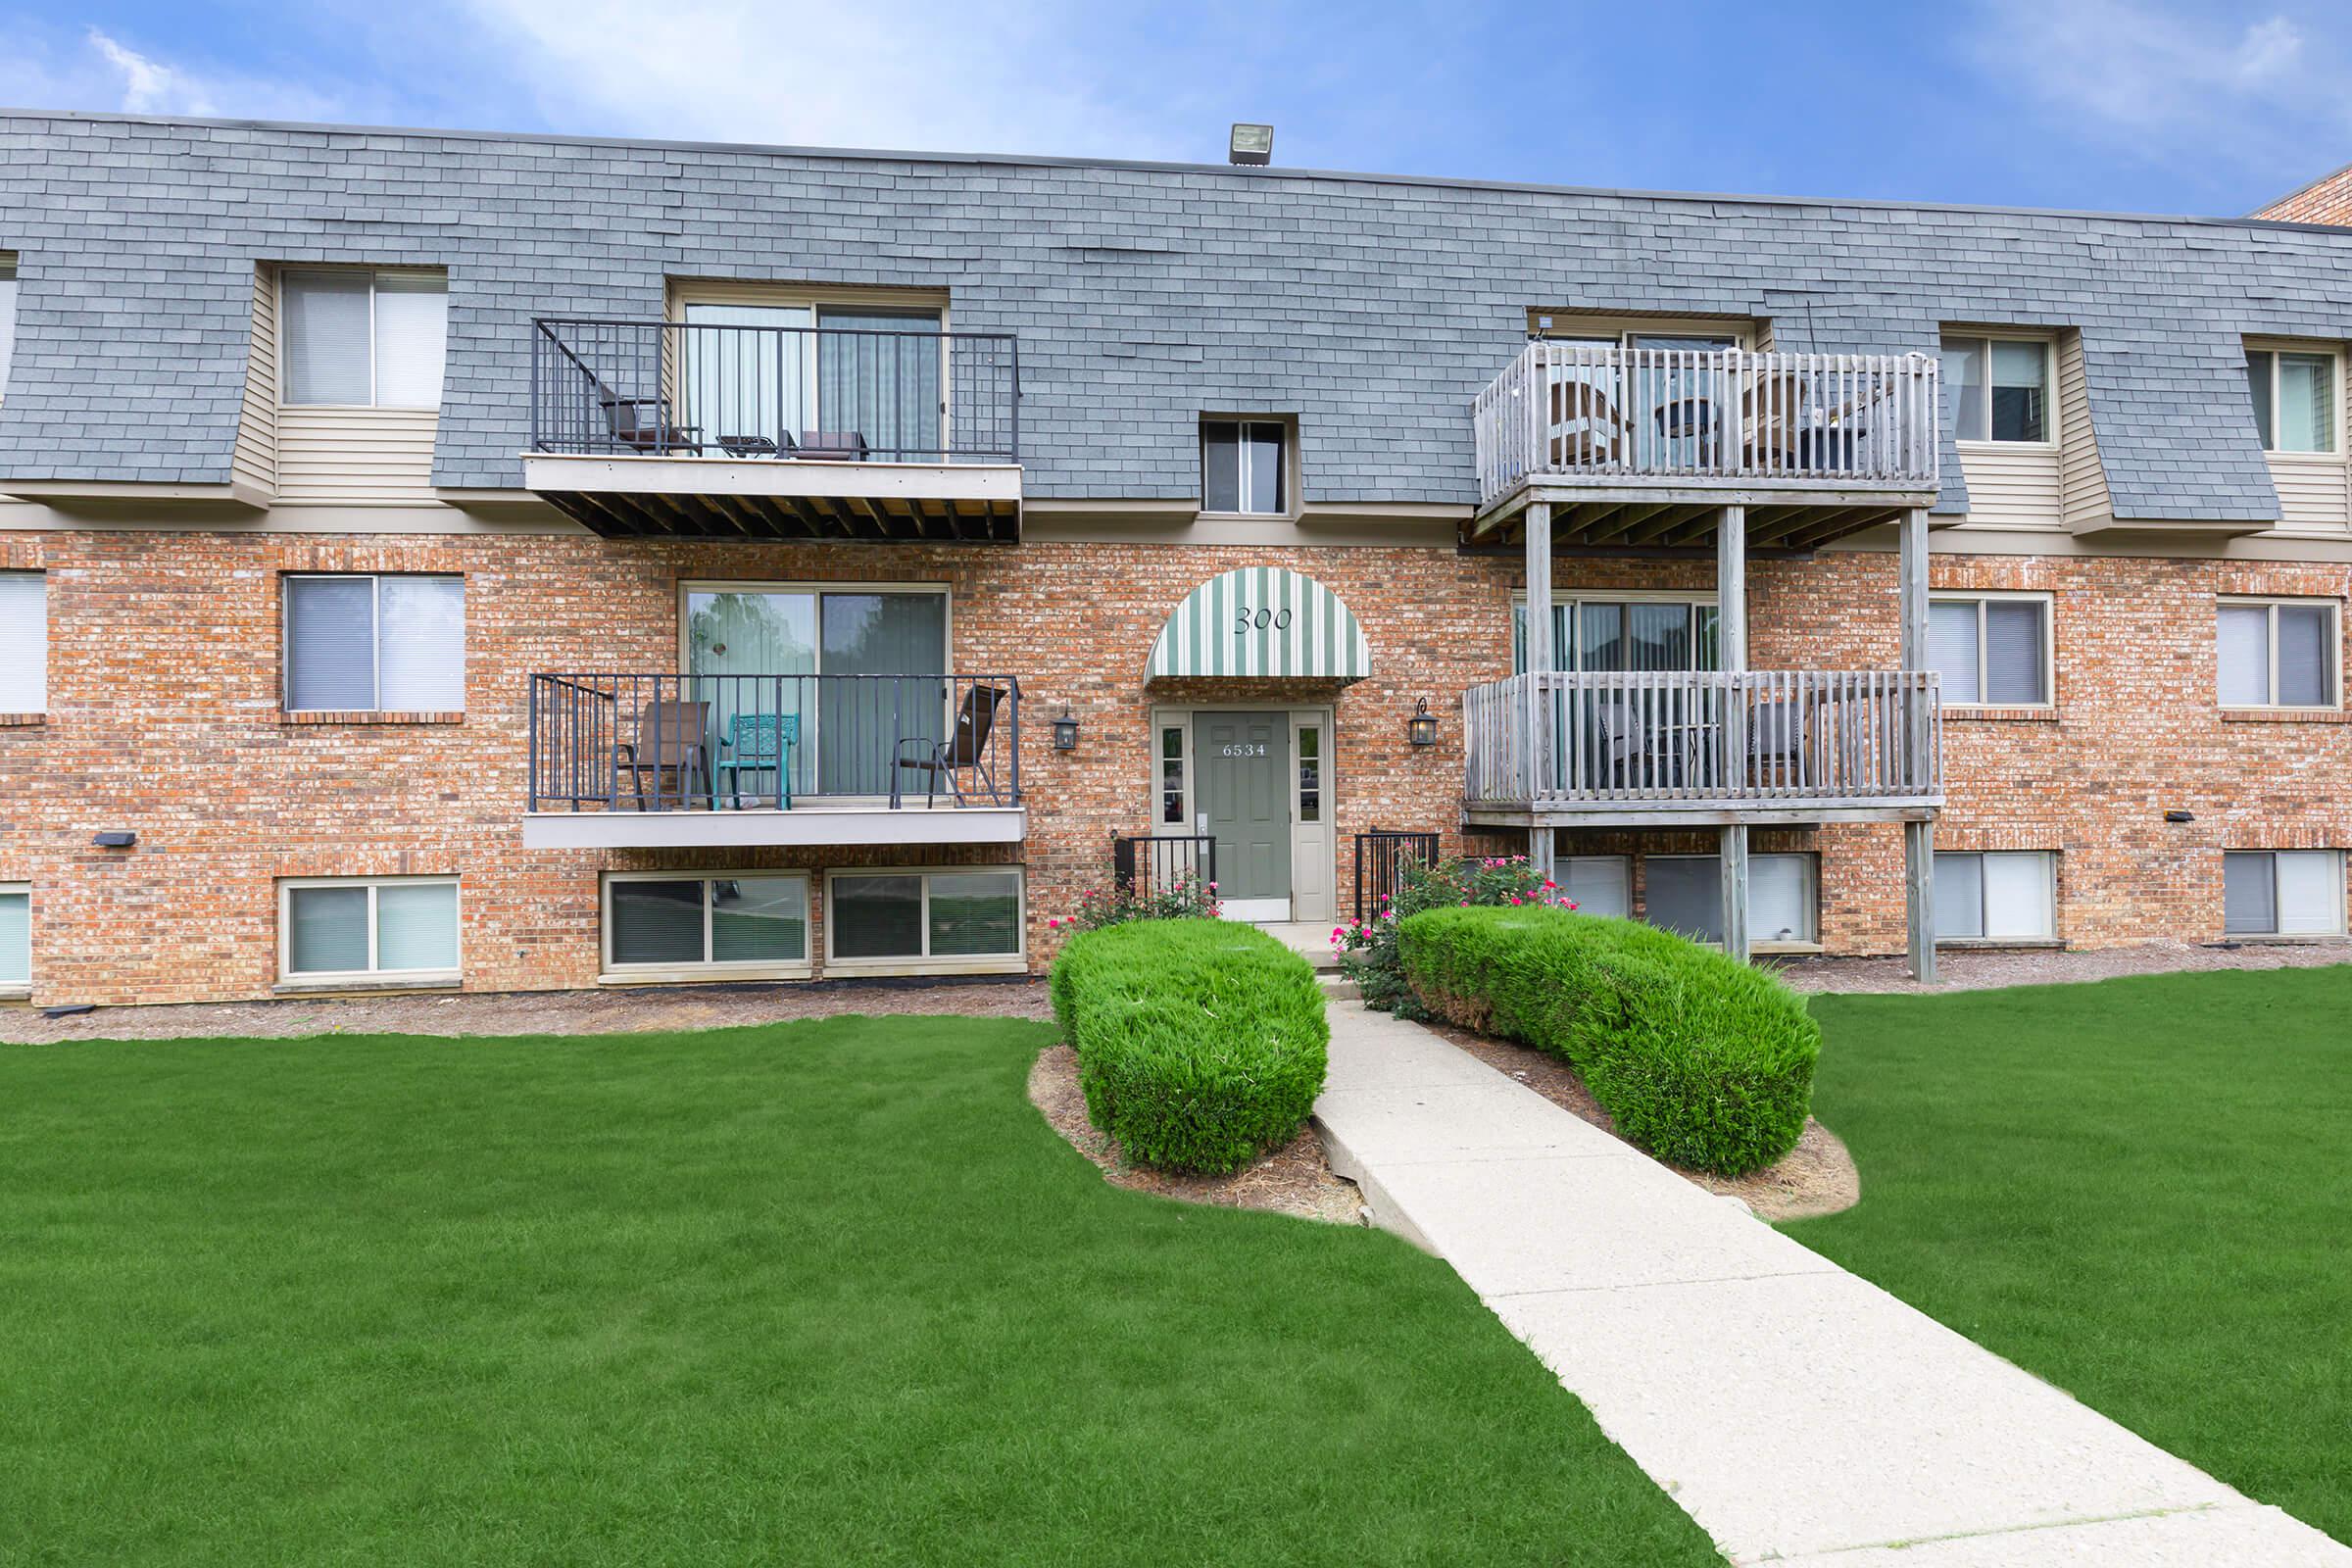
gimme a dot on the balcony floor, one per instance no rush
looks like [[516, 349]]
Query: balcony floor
[[813, 825], [1700, 812], [640, 497], [1629, 512]]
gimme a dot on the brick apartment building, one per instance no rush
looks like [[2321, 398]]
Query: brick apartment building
[[502, 561]]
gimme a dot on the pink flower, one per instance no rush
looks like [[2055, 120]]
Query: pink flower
[[1338, 932]]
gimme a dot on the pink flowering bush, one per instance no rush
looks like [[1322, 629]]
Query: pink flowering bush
[[1187, 898], [1367, 949]]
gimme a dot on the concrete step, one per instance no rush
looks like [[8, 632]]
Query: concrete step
[[1337, 987]]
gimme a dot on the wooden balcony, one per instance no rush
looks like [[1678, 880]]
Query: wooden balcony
[[1702, 748], [1645, 447]]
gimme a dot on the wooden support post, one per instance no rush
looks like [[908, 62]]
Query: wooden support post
[[1731, 588], [1542, 659], [1735, 891], [1918, 838]]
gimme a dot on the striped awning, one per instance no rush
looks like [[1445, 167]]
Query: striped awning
[[1262, 622]]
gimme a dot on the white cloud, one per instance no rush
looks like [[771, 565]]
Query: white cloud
[[100, 72], [2170, 85], [911, 73]]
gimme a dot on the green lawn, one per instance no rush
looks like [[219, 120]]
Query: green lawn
[[2140, 1190], [819, 1292]]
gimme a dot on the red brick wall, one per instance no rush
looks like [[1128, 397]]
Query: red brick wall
[[164, 718], [2327, 201]]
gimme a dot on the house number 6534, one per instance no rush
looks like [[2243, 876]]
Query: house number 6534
[[1246, 621]]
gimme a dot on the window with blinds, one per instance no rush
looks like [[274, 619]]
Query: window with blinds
[[15, 936], [1685, 893], [2005, 894], [383, 644], [2278, 653], [352, 338], [2294, 399], [2279, 893], [23, 642], [657, 921], [1990, 649], [369, 927], [1243, 466]]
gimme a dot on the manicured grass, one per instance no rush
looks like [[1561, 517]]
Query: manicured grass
[[2140, 1190], [817, 1292]]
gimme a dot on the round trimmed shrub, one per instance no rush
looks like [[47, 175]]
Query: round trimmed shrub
[[1200, 1044]]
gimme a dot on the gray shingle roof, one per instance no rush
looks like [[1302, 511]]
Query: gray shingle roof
[[1373, 307]]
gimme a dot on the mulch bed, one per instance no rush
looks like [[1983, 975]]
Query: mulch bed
[[1816, 1177], [1293, 1180]]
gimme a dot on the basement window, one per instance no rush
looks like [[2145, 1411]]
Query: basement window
[[368, 928], [1998, 896], [16, 938], [2282, 893], [737, 922]]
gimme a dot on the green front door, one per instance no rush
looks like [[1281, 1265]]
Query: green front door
[[1244, 798]]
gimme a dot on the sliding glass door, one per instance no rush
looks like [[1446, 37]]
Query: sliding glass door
[[763, 380], [1622, 636], [857, 673]]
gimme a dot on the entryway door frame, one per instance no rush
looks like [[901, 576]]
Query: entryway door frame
[[1314, 844]]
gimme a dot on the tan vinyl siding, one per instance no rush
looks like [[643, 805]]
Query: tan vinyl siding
[[2314, 492], [2011, 484], [255, 459], [356, 457], [2081, 478]]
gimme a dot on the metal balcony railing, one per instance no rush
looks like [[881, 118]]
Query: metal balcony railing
[[1705, 738], [1632, 414], [612, 388], [716, 743]]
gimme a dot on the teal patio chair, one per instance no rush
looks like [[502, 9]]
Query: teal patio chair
[[756, 743]]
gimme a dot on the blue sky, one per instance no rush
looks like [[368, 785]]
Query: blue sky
[[2127, 105]]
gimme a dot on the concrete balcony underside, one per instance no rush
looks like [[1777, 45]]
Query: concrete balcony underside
[[658, 497], [1631, 514], [816, 826]]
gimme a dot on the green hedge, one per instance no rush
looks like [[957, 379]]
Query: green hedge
[[1702, 1060], [1201, 1044]]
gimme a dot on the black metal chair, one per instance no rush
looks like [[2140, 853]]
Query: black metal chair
[[964, 751]]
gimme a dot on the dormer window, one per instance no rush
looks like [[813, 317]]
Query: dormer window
[[2294, 398], [2000, 386], [363, 339], [1244, 468]]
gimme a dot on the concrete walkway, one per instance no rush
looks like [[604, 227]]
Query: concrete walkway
[[1798, 1412]]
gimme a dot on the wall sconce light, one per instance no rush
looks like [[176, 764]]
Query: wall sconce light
[[116, 841], [1422, 728], [2180, 816], [1065, 732]]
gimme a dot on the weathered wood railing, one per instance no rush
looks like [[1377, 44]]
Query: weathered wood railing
[[1578, 411], [1787, 737]]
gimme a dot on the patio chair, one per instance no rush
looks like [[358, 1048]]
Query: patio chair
[[1775, 419], [832, 446], [1780, 751], [669, 740], [965, 751], [1587, 430], [756, 742], [644, 424]]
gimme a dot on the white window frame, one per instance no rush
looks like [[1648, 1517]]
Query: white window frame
[[373, 275], [2325, 349], [1981, 597], [611, 969], [2274, 602], [43, 578], [2049, 872], [375, 647], [2051, 431], [2337, 882], [1016, 962], [25, 990], [1811, 859], [1623, 863], [371, 975], [1284, 428]]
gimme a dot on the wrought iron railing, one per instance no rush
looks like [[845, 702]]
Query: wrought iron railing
[[1143, 865], [1796, 737], [675, 742], [610, 387], [1628, 415], [1379, 857]]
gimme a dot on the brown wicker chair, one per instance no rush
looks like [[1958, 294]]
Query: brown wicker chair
[[671, 738]]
